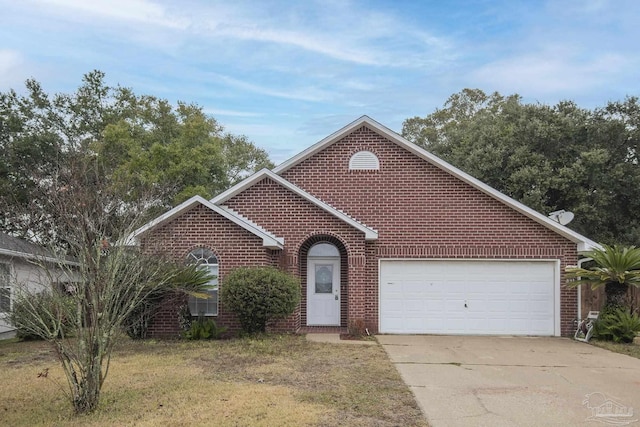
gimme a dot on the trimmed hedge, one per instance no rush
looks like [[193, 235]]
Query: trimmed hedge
[[259, 295]]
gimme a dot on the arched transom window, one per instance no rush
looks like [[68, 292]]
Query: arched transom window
[[205, 259], [323, 250]]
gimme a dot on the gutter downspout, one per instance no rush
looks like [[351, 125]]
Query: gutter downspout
[[580, 261]]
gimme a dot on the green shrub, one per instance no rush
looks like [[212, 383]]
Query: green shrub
[[619, 325], [204, 329], [54, 310], [258, 295]]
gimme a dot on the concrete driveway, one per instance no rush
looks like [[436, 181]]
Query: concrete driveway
[[514, 381]]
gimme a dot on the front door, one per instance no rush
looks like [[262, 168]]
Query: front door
[[323, 291]]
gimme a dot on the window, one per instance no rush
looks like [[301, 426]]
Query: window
[[323, 272], [324, 278], [5, 289], [324, 250], [205, 306], [364, 160]]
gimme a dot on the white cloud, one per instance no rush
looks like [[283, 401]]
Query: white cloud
[[142, 11], [288, 73], [308, 93], [370, 39], [310, 42], [549, 72]]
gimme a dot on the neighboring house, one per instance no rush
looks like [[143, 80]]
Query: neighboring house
[[380, 230], [23, 266]]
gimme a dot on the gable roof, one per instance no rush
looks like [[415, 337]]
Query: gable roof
[[268, 240], [19, 248], [10, 245], [369, 233], [583, 243]]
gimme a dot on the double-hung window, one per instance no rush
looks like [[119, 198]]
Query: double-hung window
[[205, 259]]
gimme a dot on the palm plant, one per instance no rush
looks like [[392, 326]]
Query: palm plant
[[182, 279], [616, 268]]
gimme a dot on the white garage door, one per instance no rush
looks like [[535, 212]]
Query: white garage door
[[469, 297]]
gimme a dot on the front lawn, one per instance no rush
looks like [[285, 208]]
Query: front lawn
[[632, 350], [280, 380]]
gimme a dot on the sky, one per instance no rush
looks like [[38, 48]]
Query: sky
[[288, 73]]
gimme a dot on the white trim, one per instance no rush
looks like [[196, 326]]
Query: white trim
[[556, 284], [369, 233], [335, 297], [557, 302], [320, 145], [212, 286], [268, 240], [43, 258], [253, 225], [583, 243]]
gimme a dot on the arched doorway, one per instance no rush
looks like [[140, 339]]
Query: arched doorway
[[323, 285]]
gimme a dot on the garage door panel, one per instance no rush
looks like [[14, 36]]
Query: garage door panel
[[468, 297], [539, 323], [539, 306], [455, 326], [495, 306]]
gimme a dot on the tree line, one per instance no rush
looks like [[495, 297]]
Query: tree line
[[146, 153], [547, 157]]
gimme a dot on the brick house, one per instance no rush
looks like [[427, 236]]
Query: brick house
[[380, 230]]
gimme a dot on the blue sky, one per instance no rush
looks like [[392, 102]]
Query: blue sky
[[289, 73]]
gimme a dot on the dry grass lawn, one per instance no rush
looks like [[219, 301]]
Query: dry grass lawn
[[280, 380], [632, 350]]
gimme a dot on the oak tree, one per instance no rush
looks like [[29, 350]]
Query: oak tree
[[548, 157]]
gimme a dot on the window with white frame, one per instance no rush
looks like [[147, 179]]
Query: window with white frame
[[205, 259], [5, 288]]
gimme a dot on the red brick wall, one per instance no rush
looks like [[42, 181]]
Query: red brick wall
[[421, 211], [300, 222], [201, 227], [165, 323], [418, 210]]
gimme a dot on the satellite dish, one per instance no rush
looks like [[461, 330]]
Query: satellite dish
[[562, 216]]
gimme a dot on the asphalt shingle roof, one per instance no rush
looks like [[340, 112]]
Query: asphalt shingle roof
[[13, 244]]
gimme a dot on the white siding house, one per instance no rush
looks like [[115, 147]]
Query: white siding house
[[22, 267]]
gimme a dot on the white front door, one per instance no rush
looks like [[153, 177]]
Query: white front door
[[323, 291]]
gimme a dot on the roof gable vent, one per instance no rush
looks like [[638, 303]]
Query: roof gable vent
[[364, 160]]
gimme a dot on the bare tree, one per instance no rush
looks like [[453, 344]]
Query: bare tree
[[84, 319]]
